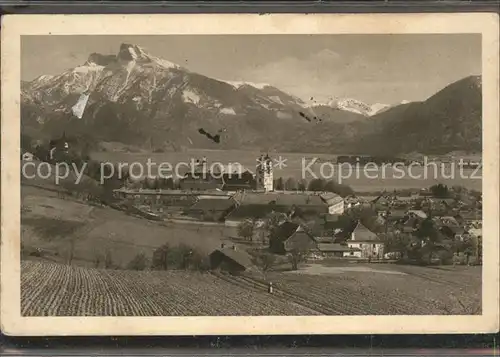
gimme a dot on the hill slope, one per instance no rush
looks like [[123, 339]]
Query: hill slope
[[447, 121]]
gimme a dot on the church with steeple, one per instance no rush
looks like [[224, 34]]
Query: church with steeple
[[264, 174]]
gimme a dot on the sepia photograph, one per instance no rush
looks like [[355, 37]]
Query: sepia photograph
[[244, 181]]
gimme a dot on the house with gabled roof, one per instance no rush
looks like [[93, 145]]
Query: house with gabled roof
[[289, 236], [449, 221], [334, 202], [211, 209], [230, 259], [27, 156], [369, 244], [453, 232], [417, 213]]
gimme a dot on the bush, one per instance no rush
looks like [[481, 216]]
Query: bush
[[160, 258], [246, 229], [264, 260], [181, 257], [139, 262], [340, 189], [302, 185], [440, 191], [291, 184], [317, 185], [279, 184], [108, 260]]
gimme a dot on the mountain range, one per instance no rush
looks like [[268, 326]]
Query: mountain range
[[139, 99]]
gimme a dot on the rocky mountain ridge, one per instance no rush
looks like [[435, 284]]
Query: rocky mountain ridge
[[139, 99]]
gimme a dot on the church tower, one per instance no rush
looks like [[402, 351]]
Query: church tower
[[264, 174]]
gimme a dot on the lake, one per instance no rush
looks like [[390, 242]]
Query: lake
[[370, 178]]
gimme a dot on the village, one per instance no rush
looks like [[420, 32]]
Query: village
[[306, 220], [440, 225]]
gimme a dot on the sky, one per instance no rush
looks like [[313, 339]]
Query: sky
[[385, 69]]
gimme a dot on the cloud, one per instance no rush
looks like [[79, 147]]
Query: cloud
[[305, 76], [325, 55]]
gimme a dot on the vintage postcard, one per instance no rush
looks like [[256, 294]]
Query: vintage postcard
[[246, 174]]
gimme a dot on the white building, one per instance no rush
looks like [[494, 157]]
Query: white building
[[335, 203], [368, 243], [264, 174], [27, 156]]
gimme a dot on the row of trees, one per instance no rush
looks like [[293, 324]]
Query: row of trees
[[280, 184], [166, 257], [317, 185]]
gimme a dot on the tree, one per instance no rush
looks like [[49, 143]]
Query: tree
[[302, 185], [368, 217], [97, 260], [472, 248], [428, 233], [340, 189], [440, 191], [160, 258], [168, 183], [139, 262], [246, 229], [279, 184], [199, 261], [397, 242], [71, 251], [271, 223], [179, 257], [297, 255], [264, 261], [108, 260], [148, 183], [291, 184], [317, 185], [26, 141]]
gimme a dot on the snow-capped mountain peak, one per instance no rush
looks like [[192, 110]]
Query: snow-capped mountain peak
[[136, 53], [239, 84], [43, 78], [378, 108], [126, 54], [352, 105]]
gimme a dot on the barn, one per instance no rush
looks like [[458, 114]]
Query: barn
[[230, 259]]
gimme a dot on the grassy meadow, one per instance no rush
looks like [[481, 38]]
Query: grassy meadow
[[58, 226]]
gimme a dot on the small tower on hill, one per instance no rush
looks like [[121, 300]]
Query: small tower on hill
[[264, 173]]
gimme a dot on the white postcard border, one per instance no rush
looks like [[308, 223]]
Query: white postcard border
[[14, 26]]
